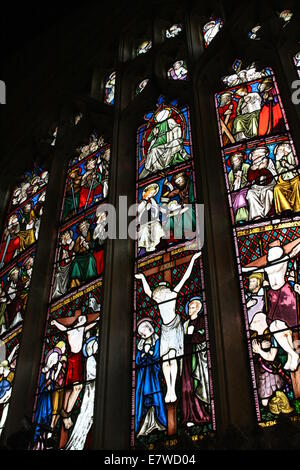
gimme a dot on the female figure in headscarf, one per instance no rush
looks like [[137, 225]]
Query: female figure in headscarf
[[150, 411]]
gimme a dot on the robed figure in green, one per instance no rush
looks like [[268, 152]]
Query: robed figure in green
[[166, 144]]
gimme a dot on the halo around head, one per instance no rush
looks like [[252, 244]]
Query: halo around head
[[162, 115], [151, 187]]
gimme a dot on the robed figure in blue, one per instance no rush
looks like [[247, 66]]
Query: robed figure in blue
[[43, 412], [150, 412]]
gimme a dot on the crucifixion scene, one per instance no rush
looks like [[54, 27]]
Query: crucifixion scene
[[171, 354], [272, 291], [150, 229]]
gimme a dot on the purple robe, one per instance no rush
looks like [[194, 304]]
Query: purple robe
[[282, 305], [193, 409], [239, 199]]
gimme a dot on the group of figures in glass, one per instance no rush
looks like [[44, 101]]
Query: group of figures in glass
[[172, 384], [177, 71], [64, 404], [262, 177], [165, 191], [17, 253], [172, 380]]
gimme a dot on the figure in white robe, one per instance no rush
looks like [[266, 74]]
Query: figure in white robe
[[150, 229], [211, 29], [7, 372]]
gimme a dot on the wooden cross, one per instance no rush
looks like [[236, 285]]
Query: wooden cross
[[166, 268]]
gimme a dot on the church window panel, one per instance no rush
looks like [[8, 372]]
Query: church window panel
[[286, 16], [263, 184], [80, 254], [151, 157], [166, 196], [9, 353], [109, 90], [173, 31], [256, 100], [77, 118], [54, 136], [178, 71], [169, 266], [297, 62], [144, 47], [281, 167], [87, 183], [63, 412], [67, 371], [253, 33], [211, 29], [22, 228], [95, 142], [14, 287], [141, 86], [245, 75], [17, 253]]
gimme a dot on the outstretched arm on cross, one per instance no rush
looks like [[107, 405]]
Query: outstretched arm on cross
[[187, 273], [146, 286]]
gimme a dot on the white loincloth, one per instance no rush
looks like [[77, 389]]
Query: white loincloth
[[172, 337]]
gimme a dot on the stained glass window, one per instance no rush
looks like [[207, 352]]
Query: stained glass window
[[173, 31], [144, 47], [211, 29], [297, 62], [78, 118], [178, 71], [262, 179], [286, 16], [170, 316], [253, 33], [109, 90], [17, 253], [63, 414], [54, 136], [141, 86]]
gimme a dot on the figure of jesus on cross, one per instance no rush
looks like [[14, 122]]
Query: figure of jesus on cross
[[172, 336]]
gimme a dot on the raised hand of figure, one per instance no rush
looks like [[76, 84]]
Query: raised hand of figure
[[139, 276], [196, 256]]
